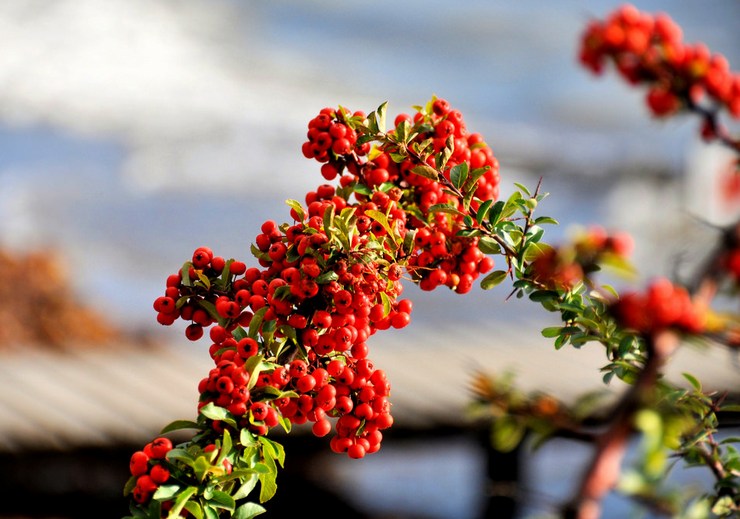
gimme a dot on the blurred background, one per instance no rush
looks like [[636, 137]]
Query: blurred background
[[132, 132]]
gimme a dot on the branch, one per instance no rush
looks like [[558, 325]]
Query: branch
[[603, 472]]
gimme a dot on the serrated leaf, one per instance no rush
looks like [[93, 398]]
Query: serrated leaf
[[493, 279]]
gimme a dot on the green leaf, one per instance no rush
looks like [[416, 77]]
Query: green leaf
[[552, 331], [535, 250], [380, 116], [185, 274], [211, 512], [297, 207], [195, 509], [723, 506], [256, 322], [180, 502], [246, 488], [488, 245], [506, 433], [129, 486], [459, 174], [444, 208], [165, 492], [425, 171], [482, 211], [221, 499], [275, 450], [493, 279], [444, 155], [382, 219], [693, 381], [523, 188], [181, 455], [214, 412], [253, 366], [495, 213], [545, 220], [248, 511]]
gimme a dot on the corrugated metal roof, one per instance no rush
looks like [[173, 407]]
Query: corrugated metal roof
[[62, 399]]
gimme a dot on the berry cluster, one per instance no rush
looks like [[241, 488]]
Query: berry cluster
[[565, 266], [288, 338], [649, 49], [663, 305], [150, 468], [440, 257]]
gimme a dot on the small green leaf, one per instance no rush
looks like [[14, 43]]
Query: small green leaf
[[297, 207], [495, 213], [459, 174], [692, 380], [256, 322], [545, 220], [493, 279], [327, 277], [523, 188], [482, 211], [506, 433], [552, 331], [185, 274]]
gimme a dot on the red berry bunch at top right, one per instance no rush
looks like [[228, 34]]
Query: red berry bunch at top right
[[648, 49]]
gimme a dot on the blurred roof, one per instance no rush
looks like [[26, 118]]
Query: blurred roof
[[125, 393]]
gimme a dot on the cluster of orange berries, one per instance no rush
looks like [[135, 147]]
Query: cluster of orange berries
[[648, 49], [150, 468], [663, 305], [441, 257], [565, 266], [289, 337]]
